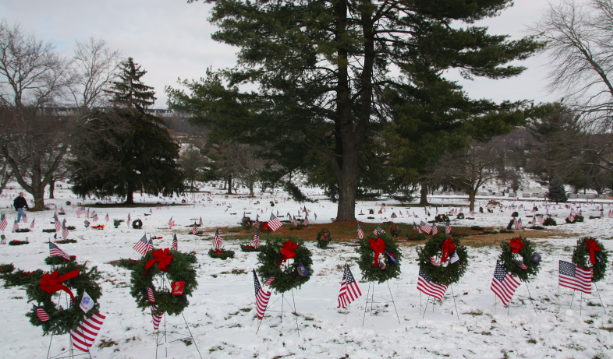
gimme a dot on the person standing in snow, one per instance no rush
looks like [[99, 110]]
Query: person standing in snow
[[19, 203]]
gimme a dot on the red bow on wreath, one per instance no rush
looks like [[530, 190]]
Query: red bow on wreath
[[447, 247], [379, 247], [51, 283], [163, 259], [590, 244], [287, 251], [516, 245]]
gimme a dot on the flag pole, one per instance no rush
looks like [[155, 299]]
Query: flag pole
[[495, 302], [420, 301], [559, 308]]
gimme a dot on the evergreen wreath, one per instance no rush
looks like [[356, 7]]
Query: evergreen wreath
[[514, 214], [72, 278], [323, 238], [249, 248], [65, 241], [460, 215], [246, 223], [221, 253], [177, 266], [6, 268], [57, 260], [379, 258], [444, 272], [524, 249], [395, 231], [280, 258], [550, 222], [441, 218], [20, 277], [16, 242], [49, 230], [577, 218], [590, 251], [416, 237], [137, 224]]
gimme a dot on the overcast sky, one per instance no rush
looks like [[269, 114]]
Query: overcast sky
[[172, 39]]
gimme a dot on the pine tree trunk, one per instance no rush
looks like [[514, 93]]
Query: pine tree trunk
[[229, 184], [423, 194], [250, 185], [130, 194], [471, 197], [51, 189]]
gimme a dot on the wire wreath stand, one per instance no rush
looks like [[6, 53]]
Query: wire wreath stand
[[370, 299], [162, 336], [433, 303], [69, 353], [581, 300]]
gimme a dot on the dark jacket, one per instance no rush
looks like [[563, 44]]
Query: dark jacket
[[20, 202]]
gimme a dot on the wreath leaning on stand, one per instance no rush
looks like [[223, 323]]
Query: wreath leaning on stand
[[323, 238], [379, 258], [519, 259], [72, 278], [436, 256], [166, 266], [137, 224], [287, 260], [592, 250]]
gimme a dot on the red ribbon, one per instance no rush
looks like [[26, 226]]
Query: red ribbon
[[378, 246], [287, 251], [516, 245], [591, 245], [51, 283], [447, 247], [163, 259]]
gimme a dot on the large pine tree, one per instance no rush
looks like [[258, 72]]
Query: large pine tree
[[123, 149], [325, 70]]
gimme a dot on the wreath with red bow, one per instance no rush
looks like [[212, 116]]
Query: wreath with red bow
[[71, 279], [591, 253], [323, 238], [285, 259], [516, 258], [157, 270], [443, 259], [246, 223], [379, 258]]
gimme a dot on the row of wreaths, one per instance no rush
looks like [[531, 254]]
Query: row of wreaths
[[287, 260]]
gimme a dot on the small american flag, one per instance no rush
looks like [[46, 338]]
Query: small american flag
[[306, 221], [80, 211], [55, 251], [3, 222], [106, 218], [433, 261], [15, 226], [269, 281], [95, 217], [574, 277], [256, 238], [175, 243], [25, 219], [64, 230], [261, 297], [294, 222], [217, 240], [432, 289], [518, 224], [157, 318], [84, 336], [150, 294], [274, 223], [378, 230], [503, 284], [58, 226], [360, 232], [425, 227], [349, 289], [200, 223], [142, 246], [447, 228], [194, 230], [41, 314], [434, 230], [33, 223], [571, 218]]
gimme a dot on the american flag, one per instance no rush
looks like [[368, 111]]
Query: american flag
[[306, 221], [269, 281], [55, 251], [261, 297], [64, 230], [200, 223], [503, 284], [87, 214], [80, 211], [447, 228], [217, 240], [150, 294], [256, 238], [434, 230], [518, 224], [194, 229], [378, 230], [95, 217], [360, 232], [142, 246], [425, 227], [58, 225], [15, 226], [349, 289], [41, 314], [432, 289], [106, 218], [574, 277], [571, 218], [84, 336], [3, 223], [157, 318], [274, 223], [294, 222], [433, 261], [175, 243]]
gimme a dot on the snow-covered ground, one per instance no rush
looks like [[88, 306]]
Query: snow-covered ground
[[222, 312]]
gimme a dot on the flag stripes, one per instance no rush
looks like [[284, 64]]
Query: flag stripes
[[84, 336]]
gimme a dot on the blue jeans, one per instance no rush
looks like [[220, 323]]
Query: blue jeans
[[20, 213]]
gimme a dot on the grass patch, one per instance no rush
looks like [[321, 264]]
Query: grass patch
[[107, 343]]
